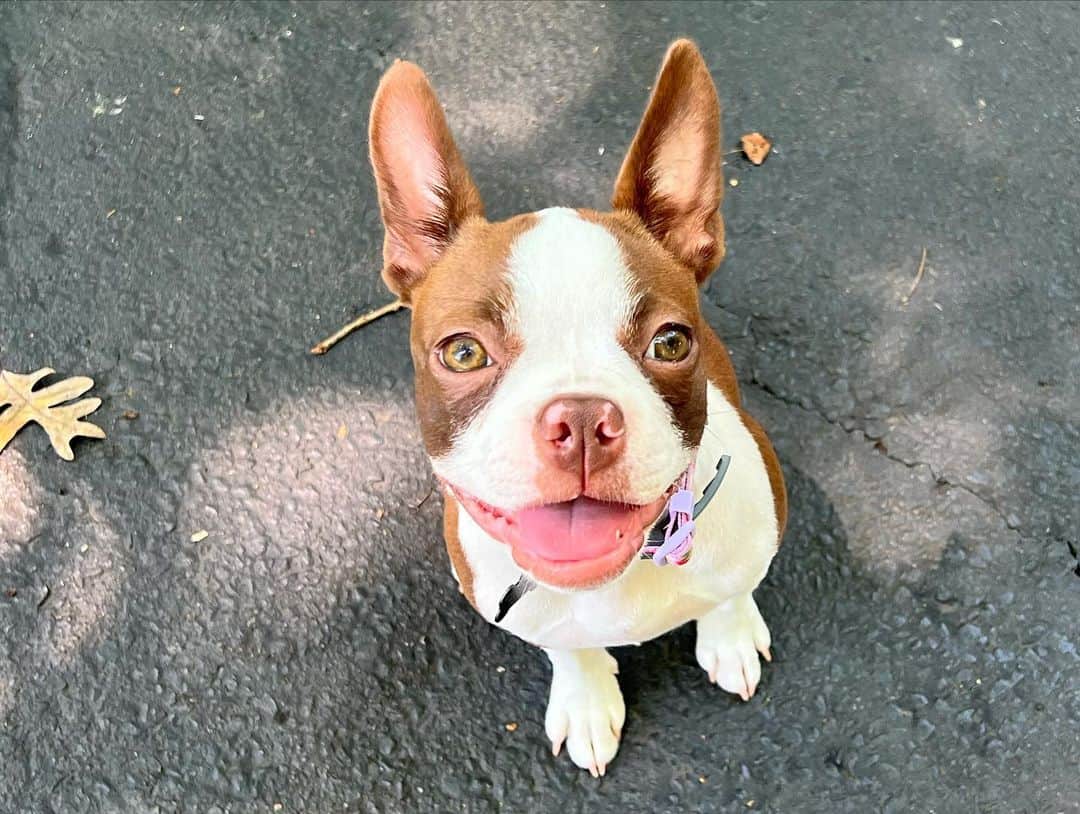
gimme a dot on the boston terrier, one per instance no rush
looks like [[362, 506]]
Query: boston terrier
[[602, 483]]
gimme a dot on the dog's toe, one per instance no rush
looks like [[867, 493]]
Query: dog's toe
[[728, 642], [586, 712]]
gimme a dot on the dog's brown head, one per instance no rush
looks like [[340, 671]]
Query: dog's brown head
[[559, 377]]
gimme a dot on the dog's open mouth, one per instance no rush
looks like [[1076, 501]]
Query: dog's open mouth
[[578, 543]]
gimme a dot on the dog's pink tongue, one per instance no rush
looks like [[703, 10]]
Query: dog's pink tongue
[[580, 529]]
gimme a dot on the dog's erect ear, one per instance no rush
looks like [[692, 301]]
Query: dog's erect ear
[[671, 175], [425, 191]]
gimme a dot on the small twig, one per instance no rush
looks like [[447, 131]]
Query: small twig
[[918, 277], [359, 322]]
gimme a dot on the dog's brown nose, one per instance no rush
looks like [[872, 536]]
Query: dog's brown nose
[[581, 435]]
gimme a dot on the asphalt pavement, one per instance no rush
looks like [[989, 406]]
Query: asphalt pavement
[[186, 206]]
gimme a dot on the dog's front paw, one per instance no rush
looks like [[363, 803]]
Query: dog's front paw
[[729, 639], [586, 709]]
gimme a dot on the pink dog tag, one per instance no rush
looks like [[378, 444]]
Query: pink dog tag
[[672, 543], [679, 531]]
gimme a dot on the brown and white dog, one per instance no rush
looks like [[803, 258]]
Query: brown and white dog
[[566, 380]]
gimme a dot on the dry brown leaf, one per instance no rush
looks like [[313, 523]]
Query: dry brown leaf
[[20, 404], [755, 147]]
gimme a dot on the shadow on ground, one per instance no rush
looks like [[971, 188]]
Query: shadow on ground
[[312, 651]]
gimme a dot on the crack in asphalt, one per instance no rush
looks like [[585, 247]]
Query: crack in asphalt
[[750, 330], [855, 432]]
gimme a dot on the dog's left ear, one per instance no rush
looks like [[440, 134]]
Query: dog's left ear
[[671, 175], [425, 190]]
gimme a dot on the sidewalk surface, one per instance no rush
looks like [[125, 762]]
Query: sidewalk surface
[[186, 206]]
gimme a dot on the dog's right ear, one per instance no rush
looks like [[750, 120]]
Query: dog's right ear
[[425, 191], [671, 175]]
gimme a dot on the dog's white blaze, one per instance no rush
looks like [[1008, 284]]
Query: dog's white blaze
[[572, 290], [572, 294], [734, 542]]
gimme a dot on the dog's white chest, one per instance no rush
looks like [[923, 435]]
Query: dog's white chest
[[645, 603], [734, 543]]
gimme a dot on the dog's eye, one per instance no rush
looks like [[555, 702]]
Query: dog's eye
[[671, 344], [462, 354]]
